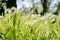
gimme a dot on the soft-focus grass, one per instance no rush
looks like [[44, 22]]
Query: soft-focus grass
[[23, 27]]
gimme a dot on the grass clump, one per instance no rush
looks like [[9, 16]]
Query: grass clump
[[23, 27]]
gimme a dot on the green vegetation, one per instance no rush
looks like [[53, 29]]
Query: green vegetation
[[20, 25], [33, 27]]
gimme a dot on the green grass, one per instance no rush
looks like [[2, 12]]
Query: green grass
[[23, 27]]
